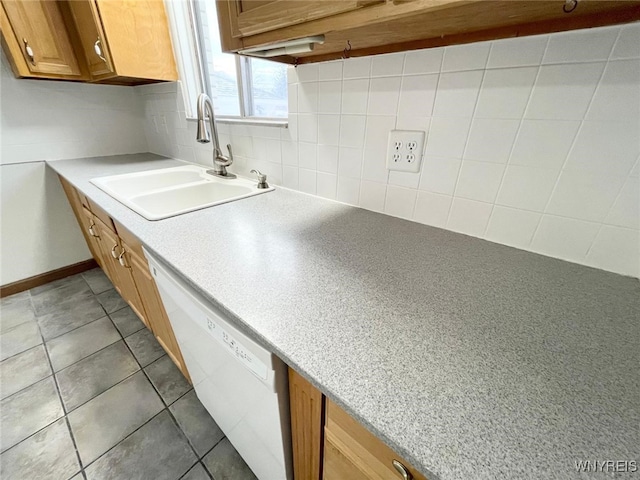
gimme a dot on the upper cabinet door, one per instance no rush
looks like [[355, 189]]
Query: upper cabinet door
[[40, 33], [96, 52], [137, 35], [250, 17]]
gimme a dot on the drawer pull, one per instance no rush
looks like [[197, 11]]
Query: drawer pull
[[122, 261], [402, 470], [113, 251], [92, 232]]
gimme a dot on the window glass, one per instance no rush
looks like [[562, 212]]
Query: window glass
[[265, 81], [268, 88], [219, 68]]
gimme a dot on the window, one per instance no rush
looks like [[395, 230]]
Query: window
[[238, 86]]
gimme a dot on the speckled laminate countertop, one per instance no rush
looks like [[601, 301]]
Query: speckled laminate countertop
[[471, 359]]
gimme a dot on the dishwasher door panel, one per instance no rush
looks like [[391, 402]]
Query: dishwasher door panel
[[242, 385]]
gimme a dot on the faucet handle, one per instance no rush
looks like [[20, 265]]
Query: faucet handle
[[262, 179]]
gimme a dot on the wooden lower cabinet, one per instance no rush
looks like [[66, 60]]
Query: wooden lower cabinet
[[108, 245], [91, 235], [337, 465], [156, 318], [328, 444], [352, 452], [307, 411], [119, 253]]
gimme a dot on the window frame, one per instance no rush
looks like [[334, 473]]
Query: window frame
[[243, 78]]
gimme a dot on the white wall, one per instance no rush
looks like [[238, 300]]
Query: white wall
[[532, 142], [53, 120]]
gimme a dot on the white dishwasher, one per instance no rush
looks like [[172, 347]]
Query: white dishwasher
[[242, 385]]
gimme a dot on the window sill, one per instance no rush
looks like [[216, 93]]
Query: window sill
[[265, 122]]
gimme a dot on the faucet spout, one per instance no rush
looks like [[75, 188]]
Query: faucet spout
[[220, 161]]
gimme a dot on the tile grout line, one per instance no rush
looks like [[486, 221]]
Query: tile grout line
[[564, 163], [55, 381], [466, 143], [73, 329], [166, 407], [513, 147], [53, 374]]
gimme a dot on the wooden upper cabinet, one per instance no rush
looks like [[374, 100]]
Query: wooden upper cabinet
[[91, 37], [125, 41], [36, 40], [122, 42], [257, 16], [356, 28]]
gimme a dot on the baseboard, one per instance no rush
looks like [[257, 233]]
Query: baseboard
[[37, 280]]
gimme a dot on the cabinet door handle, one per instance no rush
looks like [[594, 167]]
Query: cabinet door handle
[[122, 261], [402, 470], [29, 51], [92, 232], [113, 251], [97, 47]]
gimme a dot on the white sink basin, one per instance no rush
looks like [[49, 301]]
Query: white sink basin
[[158, 194]]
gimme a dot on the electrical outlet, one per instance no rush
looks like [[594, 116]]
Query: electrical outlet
[[404, 150]]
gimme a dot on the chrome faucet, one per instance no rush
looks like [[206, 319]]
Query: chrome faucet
[[220, 161]]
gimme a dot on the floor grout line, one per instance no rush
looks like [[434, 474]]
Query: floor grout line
[[55, 381], [65, 412]]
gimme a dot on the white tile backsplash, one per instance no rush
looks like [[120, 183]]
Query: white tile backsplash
[[581, 46], [605, 148], [533, 142], [469, 217], [457, 94], [563, 92], [330, 97], [372, 195], [417, 95], [383, 96], [627, 44], [564, 237], [348, 190], [307, 180], [423, 61], [400, 201], [527, 188], [618, 95], [517, 52], [512, 226], [432, 209], [479, 180], [625, 211], [544, 143], [583, 195], [472, 56], [326, 186], [615, 249], [491, 140], [387, 65], [330, 71], [505, 92], [355, 95]]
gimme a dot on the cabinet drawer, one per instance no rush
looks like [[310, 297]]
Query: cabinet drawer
[[102, 215], [130, 239], [337, 464], [351, 451]]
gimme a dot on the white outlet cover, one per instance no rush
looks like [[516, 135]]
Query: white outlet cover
[[404, 150]]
